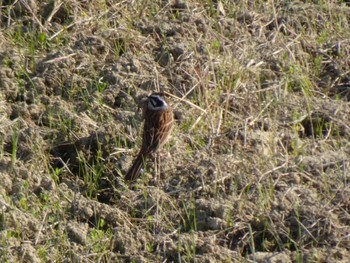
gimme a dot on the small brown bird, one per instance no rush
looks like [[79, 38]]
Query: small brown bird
[[158, 122]]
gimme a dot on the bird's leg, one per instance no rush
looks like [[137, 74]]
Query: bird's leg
[[157, 166]]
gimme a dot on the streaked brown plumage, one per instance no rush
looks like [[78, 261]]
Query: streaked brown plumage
[[158, 122]]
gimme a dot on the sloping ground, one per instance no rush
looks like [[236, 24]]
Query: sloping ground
[[257, 168]]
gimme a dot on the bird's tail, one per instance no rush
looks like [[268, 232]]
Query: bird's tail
[[134, 171]]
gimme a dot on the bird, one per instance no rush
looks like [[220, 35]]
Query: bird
[[158, 119]]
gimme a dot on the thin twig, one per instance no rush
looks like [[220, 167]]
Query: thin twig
[[271, 171], [40, 229], [186, 101], [54, 60], [53, 12], [34, 16], [260, 113], [218, 127]]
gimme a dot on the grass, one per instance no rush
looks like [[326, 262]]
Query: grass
[[257, 166]]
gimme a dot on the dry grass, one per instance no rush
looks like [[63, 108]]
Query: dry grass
[[257, 168]]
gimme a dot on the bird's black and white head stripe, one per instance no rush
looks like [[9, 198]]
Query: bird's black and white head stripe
[[156, 102]]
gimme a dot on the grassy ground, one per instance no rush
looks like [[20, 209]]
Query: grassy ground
[[256, 170]]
